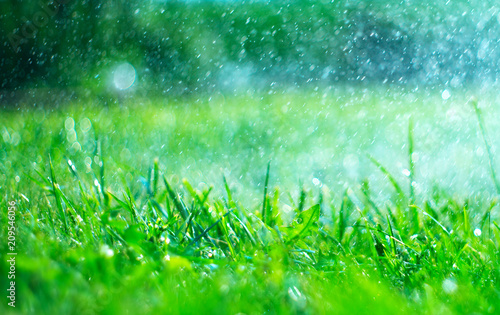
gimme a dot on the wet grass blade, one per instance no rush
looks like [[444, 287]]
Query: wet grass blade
[[308, 218], [496, 225], [265, 215], [437, 222], [204, 233], [391, 233], [57, 196], [159, 208], [228, 192], [156, 175], [392, 217], [391, 178], [49, 213], [72, 168], [125, 205], [45, 184], [188, 224], [341, 223], [411, 164], [102, 181], [245, 228], [457, 256], [225, 230], [302, 199], [175, 199], [487, 217], [365, 189], [467, 228]]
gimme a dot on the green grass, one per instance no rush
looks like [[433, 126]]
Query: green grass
[[167, 206]]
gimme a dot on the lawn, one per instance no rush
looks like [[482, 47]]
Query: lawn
[[347, 200]]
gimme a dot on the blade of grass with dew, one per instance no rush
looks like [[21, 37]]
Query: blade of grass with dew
[[57, 196], [365, 189], [225, 230], [205, 232], [302, 200], [487, 217], [437, 222], [391, 233], [411, 164], [265, 215], [175, 199], [156, 175], [245, 228], [100, 165], [391, 178], [307, 219], [467, 227], [341, 222]]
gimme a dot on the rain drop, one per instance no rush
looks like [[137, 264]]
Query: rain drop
[[124, 76]]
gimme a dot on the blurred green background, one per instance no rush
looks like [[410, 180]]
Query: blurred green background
[[179, 47], [107, 96]]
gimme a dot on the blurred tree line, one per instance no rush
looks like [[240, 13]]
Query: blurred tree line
[[178, 46]]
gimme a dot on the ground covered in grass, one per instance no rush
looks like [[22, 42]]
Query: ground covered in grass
[[288, 203]]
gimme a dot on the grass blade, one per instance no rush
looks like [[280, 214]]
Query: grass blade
[[308, 218], [391, 233], [209, 228], [156, 174], [265, 215], [57, 196], [467, 228], [411, 164], [228, 192], [341, 223], [391, 178], [437, 222], [175, 198]]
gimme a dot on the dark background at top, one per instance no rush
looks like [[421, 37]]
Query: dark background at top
[[184, 47]]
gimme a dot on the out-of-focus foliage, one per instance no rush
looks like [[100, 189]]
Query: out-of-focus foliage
[[104, 227], [190, 45]]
